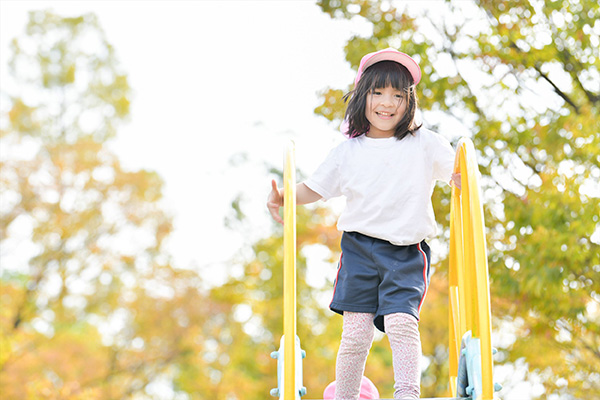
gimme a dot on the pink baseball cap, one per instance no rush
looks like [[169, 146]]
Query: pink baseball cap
[[389, 54], [368, 391]]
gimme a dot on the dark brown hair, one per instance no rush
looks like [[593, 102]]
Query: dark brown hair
[[377, 76]]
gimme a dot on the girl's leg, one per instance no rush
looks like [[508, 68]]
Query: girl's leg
[[357, 338], [403, 333]]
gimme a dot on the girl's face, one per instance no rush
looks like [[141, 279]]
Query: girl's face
[[384, 110]]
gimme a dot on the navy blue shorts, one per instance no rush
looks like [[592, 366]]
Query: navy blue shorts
[[375, 276]]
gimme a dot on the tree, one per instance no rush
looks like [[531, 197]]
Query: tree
[[95, 310], [521, 78]]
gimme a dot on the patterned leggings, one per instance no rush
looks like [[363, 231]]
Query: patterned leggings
[[403, 333]]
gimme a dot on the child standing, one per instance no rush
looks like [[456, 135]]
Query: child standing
[[387, 171]]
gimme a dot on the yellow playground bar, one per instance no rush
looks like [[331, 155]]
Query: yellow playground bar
[[470, 344]]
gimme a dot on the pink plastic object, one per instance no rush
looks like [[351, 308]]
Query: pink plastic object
[[368, 391]]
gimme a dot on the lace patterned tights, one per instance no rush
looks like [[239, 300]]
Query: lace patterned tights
[[357, 336]]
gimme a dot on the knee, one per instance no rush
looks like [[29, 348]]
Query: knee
[[358, 337], [356, 342], [401, 324], [358, 332]]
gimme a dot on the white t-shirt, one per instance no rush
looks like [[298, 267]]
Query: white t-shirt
[[388, 184]]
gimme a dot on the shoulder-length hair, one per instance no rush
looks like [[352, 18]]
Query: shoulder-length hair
[[381, 75]]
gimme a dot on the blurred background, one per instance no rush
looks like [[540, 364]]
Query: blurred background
[[137, 143]]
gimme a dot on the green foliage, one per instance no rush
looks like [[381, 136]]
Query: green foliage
[[96, 311], [99, 312], [522, 77]]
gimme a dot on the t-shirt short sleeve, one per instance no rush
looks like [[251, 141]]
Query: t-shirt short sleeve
[[326, 179], [443, 159]]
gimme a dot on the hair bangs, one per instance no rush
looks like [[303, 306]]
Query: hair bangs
[[381, 75], [388, 73]]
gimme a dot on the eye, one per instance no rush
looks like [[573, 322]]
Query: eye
[[376, 92]]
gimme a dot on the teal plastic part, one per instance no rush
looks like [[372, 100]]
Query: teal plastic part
[[469, 368], [279, 355]]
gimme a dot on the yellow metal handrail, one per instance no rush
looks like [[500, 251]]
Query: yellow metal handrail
[[468, 271], [289, 273]]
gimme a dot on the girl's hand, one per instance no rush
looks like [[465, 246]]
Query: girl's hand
[[456, 180], [274, 201]]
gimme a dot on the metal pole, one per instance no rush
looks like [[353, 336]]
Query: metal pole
[[289, 273]]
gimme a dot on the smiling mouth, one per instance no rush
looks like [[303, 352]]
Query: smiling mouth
[[384, 115]]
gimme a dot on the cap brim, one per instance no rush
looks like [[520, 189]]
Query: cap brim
[[391, 55]]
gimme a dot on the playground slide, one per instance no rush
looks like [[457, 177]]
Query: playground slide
[[471, 366]]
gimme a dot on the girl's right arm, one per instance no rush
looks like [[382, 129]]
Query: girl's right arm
[[304, 195]]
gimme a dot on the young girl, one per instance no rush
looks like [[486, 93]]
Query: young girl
[[387, 171]]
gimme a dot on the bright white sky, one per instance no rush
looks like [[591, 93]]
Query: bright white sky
[[212, 80]]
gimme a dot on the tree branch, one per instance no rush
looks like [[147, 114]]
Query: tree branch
[[556, 89], [568, 58]]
